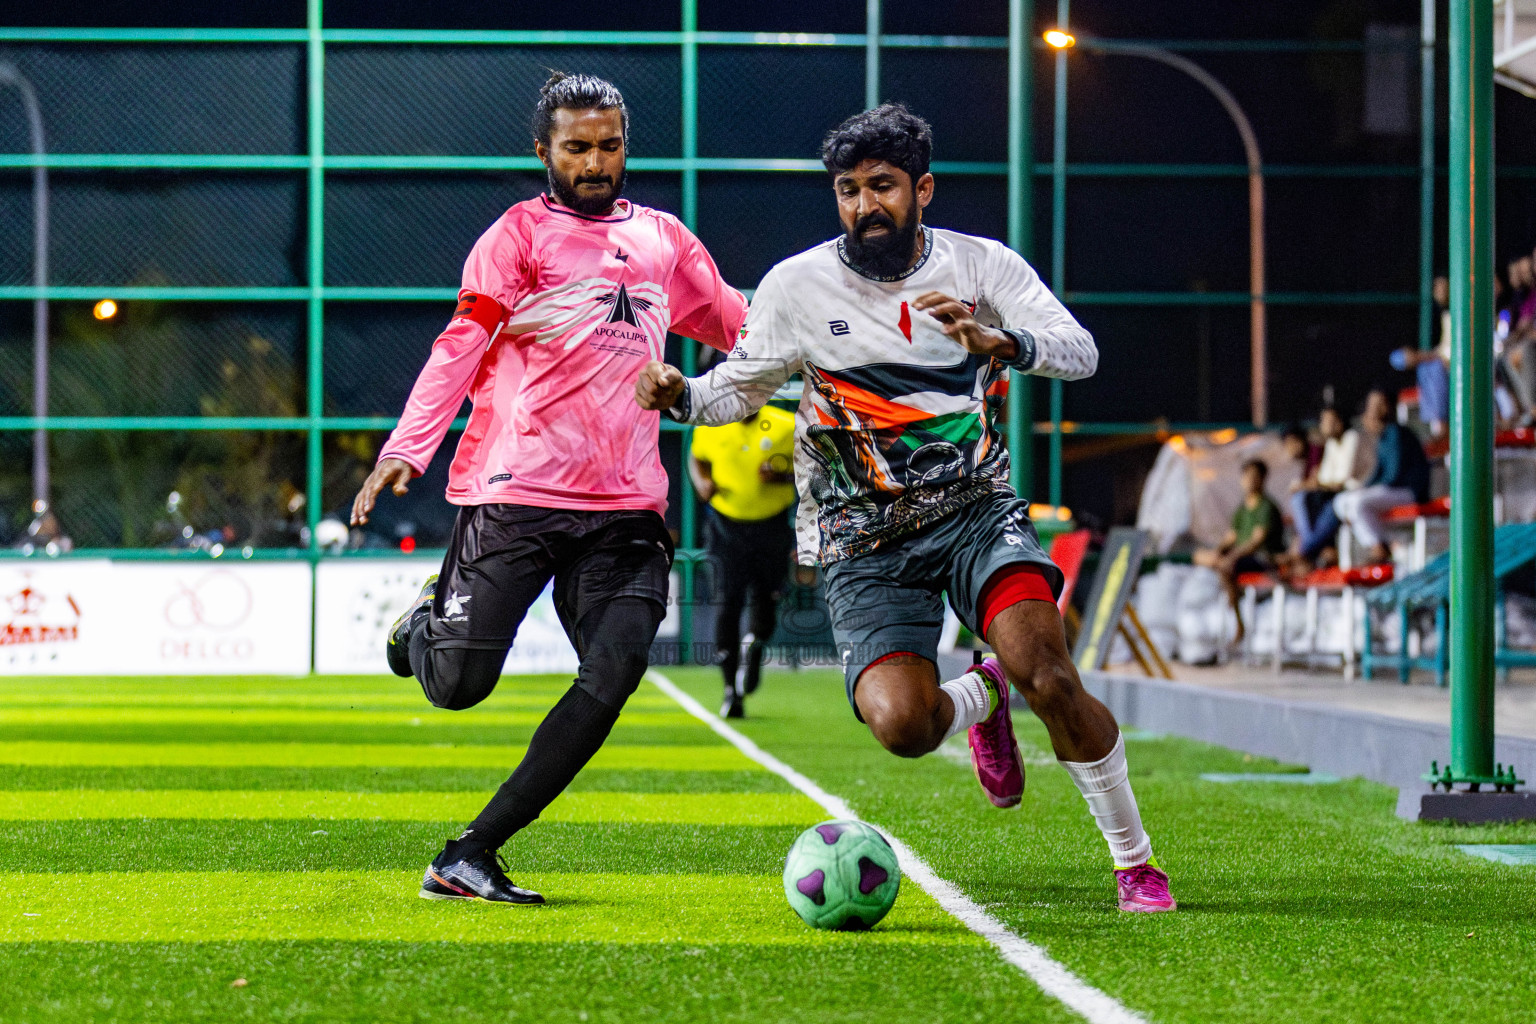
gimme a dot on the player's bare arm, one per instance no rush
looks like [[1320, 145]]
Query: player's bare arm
[[958, 322], [392, 473], [703, 477]]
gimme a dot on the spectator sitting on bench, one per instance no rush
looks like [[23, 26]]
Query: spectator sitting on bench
[[1299, 448], [1519, 355], [1401, 477], [1432, 367], [1347, 463], [1254, 540]]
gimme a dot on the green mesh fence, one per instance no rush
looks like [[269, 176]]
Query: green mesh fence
[[184, 180]]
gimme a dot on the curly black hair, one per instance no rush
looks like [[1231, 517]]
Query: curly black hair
[[575, 92], [889, 132]]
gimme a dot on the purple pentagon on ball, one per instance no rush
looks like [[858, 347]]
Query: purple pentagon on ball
[[830, 831], [871, 876], [813, 887], [855, 923]]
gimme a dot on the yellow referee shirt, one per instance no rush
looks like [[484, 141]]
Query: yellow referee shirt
[[735, 453]]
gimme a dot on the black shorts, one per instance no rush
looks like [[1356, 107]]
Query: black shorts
[[889, 600], [501, 557], [749, 554]]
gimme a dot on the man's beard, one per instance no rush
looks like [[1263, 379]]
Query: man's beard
[[590, 203], [883, 255]]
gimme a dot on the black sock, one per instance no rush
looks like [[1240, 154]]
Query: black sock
[[561, 746], [730, 663]]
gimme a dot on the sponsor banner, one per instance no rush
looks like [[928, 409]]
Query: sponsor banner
[[211, 618], [357, 600], [93, 617], [56, 618], [672, 624]]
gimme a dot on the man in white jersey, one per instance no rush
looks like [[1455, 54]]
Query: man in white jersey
[[904, 335]]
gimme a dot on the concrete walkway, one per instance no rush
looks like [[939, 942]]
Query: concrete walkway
[[1380, 730], [1419, 701]]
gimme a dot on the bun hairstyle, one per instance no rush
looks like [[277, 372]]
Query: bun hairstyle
[[575, 92]]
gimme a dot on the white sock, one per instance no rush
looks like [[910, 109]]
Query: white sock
[[972, 700], [1106, 785]]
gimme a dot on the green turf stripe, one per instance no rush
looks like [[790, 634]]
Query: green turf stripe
[[670, 808], [508, 697], [375, 779], [719, 757], [854, 979], [174, 906], [247, 685], [305, 844], [429, 719]]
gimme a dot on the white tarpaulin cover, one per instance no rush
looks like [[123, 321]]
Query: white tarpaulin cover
[[1196, 483]]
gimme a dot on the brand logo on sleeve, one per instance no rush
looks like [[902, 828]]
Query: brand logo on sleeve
[[838, 327]]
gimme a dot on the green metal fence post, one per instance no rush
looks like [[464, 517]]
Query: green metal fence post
[[314, 476], [871, 54], [1058, 230], [315, 396], [1471, 211], [1426, 175], [1021, 226], [688, 515]]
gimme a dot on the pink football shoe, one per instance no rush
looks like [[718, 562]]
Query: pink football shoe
[[994, 752], [1144, 889]]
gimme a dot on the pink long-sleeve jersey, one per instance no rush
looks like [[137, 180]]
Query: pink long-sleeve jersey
[[557, 314]]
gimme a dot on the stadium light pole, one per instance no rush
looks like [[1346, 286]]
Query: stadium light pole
[[1021, 235], [11, 75], [1426, 175], [1258, 313], [1060, 40]]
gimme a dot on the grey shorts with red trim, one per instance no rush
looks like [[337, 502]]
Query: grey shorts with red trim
[[892, 599]]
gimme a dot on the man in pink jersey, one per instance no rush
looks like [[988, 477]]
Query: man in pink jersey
[[564, 299]]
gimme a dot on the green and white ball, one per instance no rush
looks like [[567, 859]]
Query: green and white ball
[[841, 876]]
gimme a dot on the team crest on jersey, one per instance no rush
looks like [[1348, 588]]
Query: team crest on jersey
[[621, 332], [624, 307]]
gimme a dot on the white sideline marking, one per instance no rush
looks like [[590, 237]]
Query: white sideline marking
[[1053, 978]]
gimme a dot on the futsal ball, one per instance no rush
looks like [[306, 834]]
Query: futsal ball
[[841, 876]]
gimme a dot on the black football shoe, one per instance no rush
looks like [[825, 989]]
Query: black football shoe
[[476, 877], [397, 649], [731, 705]]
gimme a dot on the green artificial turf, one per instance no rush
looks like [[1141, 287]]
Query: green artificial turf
[[173, 836], [1296, 903], [161, 839]]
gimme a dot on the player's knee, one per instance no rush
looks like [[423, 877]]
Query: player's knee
[[619, 650], [1048, 687], [455, 680], [615, 673], [902, 728]]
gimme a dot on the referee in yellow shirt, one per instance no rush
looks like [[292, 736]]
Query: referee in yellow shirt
[[744, 470]]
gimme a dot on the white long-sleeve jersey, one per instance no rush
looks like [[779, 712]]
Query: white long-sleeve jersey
[[897, 422]]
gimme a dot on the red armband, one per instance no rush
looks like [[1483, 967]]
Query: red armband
[[481, 309]]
